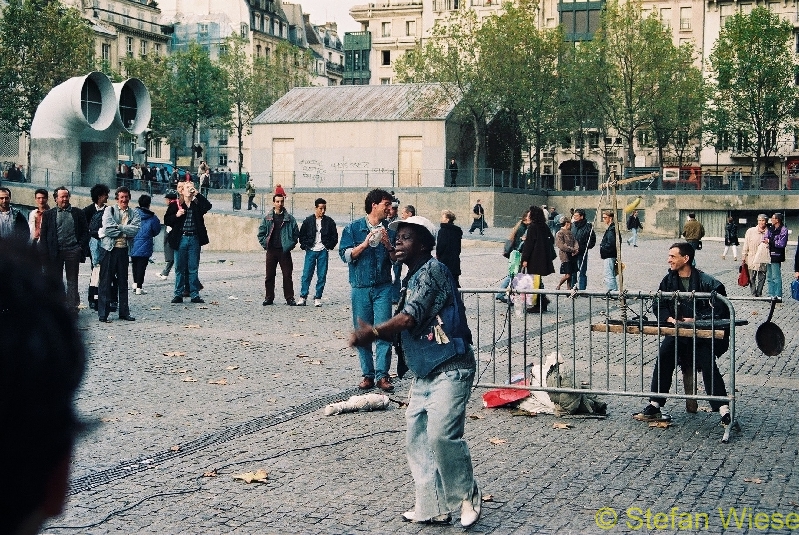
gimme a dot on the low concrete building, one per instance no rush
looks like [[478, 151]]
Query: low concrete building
[[390, 136]]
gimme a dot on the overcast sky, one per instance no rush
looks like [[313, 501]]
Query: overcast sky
[[337, 11]]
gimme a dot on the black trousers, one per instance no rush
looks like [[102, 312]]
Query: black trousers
[[139, 267], [667, 362], [114, 264]]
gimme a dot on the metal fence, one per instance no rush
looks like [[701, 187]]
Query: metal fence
[[609, 348]]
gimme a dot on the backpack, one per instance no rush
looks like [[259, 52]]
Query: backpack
[[96, 223]]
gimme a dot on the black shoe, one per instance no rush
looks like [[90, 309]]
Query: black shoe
[[268, 302], [127, 318], [650, 413], [291, 302], [105, 320], [177, 299], [197, 299]]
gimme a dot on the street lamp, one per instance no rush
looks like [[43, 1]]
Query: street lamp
[[783, 158], [754, 173]]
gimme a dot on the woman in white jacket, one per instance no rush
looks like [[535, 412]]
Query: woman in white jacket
[[755, 256]]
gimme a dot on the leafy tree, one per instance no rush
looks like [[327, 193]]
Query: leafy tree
[[677, 110], [630, 53], [450, 56], [42, 44], [195, 92], [254, 84], [753, 68], [521, 61]]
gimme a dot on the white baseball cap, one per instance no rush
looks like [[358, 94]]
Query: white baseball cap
[[415, 220]]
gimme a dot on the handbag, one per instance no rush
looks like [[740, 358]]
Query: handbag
[[762, 255], [475, 216], [514, 261], [795, 289], [743, 276]]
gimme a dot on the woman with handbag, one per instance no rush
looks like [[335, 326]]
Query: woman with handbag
[[567, 249], [513, 243], [538, 253], [755, 255]]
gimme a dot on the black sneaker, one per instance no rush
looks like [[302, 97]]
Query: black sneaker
[[292, 302], [650, 413], [197, 299], [268, 302], [177, 299]]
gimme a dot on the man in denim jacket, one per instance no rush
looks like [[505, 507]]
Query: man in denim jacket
[[777, 239], [365, 246]]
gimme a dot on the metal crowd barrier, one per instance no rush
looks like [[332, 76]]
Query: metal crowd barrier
[[610, 348]]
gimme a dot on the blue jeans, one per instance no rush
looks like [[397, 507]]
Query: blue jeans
[[373, 305], [633, 240], [774, 278], [317, 260], [187, 264], [610, 275], [582, 267], [438, 456], [504, 285]]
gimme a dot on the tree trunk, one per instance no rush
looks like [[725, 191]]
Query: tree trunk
[[477, 145]]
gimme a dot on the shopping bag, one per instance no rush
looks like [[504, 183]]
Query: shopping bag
[[743, 276], [795, 290], [514, 261], [522, 282]]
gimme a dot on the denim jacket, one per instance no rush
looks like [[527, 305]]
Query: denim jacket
[[373, 266]]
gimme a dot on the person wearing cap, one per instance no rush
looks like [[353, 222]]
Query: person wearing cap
[[364, 247], [586, 239], [567, 249], [435, 339]]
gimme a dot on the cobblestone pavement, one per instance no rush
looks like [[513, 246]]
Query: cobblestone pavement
[[163, 418]]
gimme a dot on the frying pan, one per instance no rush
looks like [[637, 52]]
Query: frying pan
[[769, 336]]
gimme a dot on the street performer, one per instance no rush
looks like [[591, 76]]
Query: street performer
[[436, 342], [683, 277]]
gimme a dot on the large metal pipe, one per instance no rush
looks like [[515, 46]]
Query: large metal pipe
[[76, 128]]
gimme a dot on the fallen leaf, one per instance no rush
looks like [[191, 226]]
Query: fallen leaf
[[216, 303], [275, 376], [133, 413], [174, 354], [211, 473], [476, 416], [174, 448], [191, 326], [158, 415], [497, 441], [188, 379], [561, 425], [155, 308], [221, 381], [234, 367], [107, 420], [522, 412], [302, 356], [295, 335], [756, 480], [272, 400], [242, 378], [488, 497], [316, 362], [662, 425], [203, 308], [248, 477], [233, 298], [181, 370]]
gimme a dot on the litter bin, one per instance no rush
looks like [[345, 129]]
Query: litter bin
[[236, 201]]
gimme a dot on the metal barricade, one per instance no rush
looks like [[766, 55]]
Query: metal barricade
[[610, 346]]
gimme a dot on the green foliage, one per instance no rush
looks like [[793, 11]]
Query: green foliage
[[753, 69], [634, 70], [42, 44]]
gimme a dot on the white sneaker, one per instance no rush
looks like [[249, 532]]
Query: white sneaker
[[317, 302], [163, 277], [301, 302], [138, 291], [470, 513]]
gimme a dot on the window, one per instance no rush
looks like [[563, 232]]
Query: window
[[109, 14], [157, 49], [222, 159], [665, 16], [245, 30], [685, 41], [386, 57], [685, 18], [566, 142], [140, 20], [746, 8], [129, 45], [126, 16], [143, 48], [385, 81], [726, 11], [741, 142], [593, 140], [386, 27], [771, 139], [257, 51], [257, 21], [796, 140], [155, 148], [643, 138], [105, 52], [410, 28], [202, 29]]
